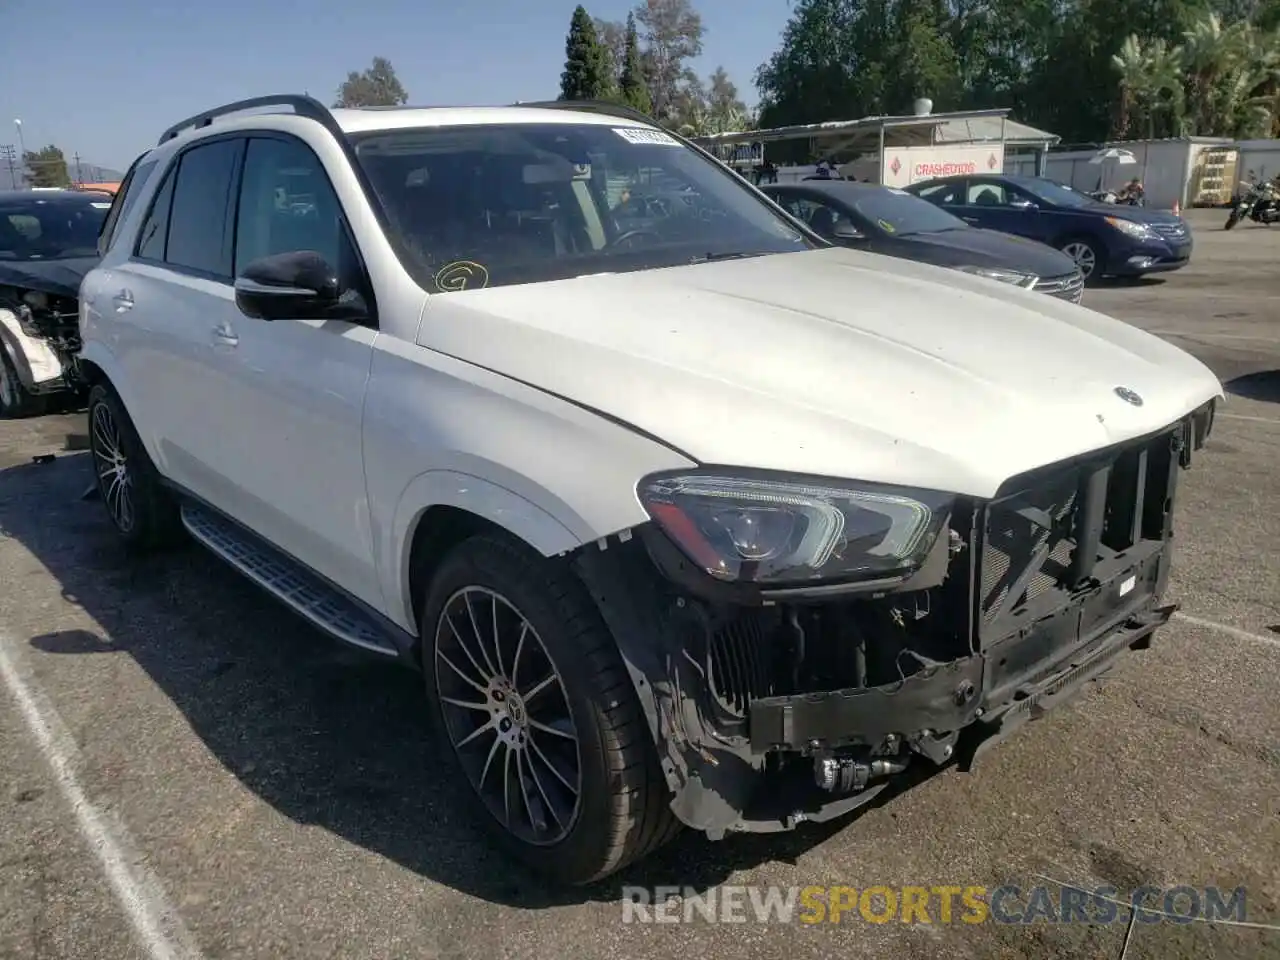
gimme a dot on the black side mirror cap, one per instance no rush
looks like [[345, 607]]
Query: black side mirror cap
[[296, 285]]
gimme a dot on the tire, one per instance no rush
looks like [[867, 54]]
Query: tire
[[16, 401], [1085, 251], [142, 510], [622, 810], [1232, 220]]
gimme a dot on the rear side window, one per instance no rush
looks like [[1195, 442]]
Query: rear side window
[[198, 238], [155, 227], [126, 199]]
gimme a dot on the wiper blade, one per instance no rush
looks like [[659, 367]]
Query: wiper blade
[[733, 255]]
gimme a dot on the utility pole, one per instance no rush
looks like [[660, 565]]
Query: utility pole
[[6, 154], [22, 152], [79, 179]]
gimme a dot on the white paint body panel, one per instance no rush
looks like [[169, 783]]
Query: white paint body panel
[[833, 362], [541, 406]]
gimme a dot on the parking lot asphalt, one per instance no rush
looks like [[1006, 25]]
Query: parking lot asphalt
[[189, 770]]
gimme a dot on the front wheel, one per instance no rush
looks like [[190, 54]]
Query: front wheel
[[1233, 219], [1086, 255], [144, 513], [536, 711]]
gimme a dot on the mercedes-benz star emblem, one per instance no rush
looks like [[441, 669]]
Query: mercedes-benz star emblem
[[1129, 396]]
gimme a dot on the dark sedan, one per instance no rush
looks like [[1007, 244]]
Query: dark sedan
[[1104, 239], [892, 222]]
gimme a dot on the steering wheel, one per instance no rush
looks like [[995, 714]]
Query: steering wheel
[[636, 232]]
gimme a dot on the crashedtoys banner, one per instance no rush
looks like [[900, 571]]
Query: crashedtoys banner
[[904, 165]]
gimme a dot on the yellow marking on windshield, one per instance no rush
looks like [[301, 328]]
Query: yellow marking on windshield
[[461, 275]]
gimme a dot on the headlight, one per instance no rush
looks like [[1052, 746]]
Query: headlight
[[785, 531], [1139, 231], [1027, 280]]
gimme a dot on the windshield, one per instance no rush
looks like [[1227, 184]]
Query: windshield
[[38, 229], [1054, 193], [898, 213], [492, 205]]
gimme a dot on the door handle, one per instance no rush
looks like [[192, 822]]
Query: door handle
[[123, 301], [224, 336]]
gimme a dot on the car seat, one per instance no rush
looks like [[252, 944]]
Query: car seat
[[823, 222]]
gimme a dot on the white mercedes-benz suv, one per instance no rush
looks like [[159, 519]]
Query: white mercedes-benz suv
[[685, 516]]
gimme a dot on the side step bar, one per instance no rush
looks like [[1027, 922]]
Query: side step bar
[[287, 580]]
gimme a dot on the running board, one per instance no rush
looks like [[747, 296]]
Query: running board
[[287, 580]]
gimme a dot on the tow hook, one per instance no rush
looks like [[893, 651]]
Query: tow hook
[[848, 774]]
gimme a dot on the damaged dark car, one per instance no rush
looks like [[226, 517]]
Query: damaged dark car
[[48, 242]]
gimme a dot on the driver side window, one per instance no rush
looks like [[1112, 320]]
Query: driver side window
[[287, 204]]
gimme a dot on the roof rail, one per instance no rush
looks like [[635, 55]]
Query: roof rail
[[303, 106], [592, 106]]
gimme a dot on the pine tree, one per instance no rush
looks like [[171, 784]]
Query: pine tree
[[632, 87], [586, 75]]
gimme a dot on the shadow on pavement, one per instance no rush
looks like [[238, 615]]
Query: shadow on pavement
[[323, 734], [1121, 283], [1263, 386]]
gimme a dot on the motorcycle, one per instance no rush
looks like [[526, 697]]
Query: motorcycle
[[1260, 203]]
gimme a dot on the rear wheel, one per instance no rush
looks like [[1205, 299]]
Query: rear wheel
[[536, 710], [1086, 255], [143, 511], [16, 400]]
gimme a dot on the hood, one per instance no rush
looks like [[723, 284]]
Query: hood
[[831, 362], [58, 277], [990, 248]]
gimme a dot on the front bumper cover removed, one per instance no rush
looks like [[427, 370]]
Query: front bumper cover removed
[[949, 711]]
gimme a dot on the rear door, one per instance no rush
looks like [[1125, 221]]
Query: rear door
[[167, 297], [949, 195]]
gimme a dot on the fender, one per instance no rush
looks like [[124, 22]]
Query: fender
[[98, 354], [502, 507], [36, 362]]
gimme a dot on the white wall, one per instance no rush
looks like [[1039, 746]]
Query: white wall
[[1260, 156], [1163, 166]]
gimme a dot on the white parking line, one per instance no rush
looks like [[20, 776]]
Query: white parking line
[[157, 925], [1228, 630]]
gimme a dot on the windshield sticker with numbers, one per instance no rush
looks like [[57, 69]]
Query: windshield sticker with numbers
[[643, 135]]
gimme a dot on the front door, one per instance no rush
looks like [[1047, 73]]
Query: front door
[[292, 391], [1000, 206]]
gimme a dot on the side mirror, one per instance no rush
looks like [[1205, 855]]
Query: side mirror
[[297, 285], [847, 231]]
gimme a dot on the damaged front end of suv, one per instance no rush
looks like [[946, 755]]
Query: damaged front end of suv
[[40, 337], [798, 644]]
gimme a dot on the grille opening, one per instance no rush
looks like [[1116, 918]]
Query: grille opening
[[810, 648], [1029, 562]]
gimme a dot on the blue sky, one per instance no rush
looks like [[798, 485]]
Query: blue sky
[[115, 74]]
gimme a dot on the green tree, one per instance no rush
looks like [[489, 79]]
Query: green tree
[[673, 36], [832, 63], [46, 167], [633, 89], [377, 86], [613, 40], [586, 72]]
